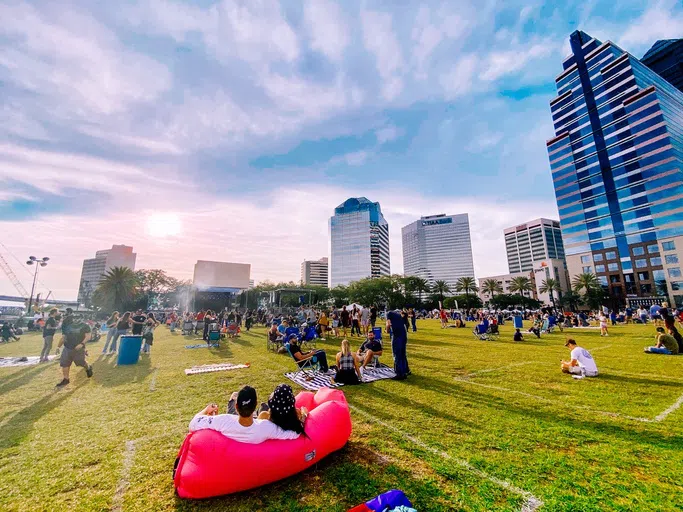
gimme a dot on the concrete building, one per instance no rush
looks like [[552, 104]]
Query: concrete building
[[314, 272], [532, 242], [359, 242], [617, 167], [438, 247], [504, 280], [94, 268]]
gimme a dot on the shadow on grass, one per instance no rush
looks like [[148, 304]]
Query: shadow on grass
[[22, 377], [639, 380], [108, 374], [19, 426]]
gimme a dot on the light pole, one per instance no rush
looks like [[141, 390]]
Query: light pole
[[39, 263]]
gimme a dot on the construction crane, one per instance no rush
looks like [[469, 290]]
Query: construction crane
[[13, 278]]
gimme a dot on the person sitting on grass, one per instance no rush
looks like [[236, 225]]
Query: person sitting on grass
[[581, 361], [74, 349], [368, 350], [666, 344], [347, 366], [239, 424], [273, 334], [317, 356], [517, 336], [8, 333]]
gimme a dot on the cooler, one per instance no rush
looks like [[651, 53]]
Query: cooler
[[129, 350]]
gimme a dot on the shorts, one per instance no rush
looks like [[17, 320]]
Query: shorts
[[335, 324], [577, 370], [365, 323], [70, 355]]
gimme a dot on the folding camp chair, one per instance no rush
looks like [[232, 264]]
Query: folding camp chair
[[307, 367], [481, 332], [188, 327], [493, 332], [308, 337], [274, 345]]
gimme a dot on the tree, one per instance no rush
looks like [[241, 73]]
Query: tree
[[463, 301], [466, 285], [521, 285], [154, 282], [570, 300], [440, 289], [340, 295], [421, 288], [491, 286], [86, 292], [586, 282], [116, 290], [594, 297], [550, 286]]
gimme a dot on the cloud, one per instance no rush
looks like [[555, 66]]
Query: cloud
[[660, 21], [484, 141], [388, 133], [327, 28], [504, 62], [381, 41], [459, 79]]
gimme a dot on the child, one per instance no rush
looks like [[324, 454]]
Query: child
[[603, 325], [518, 336]]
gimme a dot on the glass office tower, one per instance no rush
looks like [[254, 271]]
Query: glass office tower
[[536, 240], [438, 247], [359, 242], [666, 59], [616, 166]]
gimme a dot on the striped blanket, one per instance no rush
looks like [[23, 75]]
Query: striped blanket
[[209, 368], [325, 380]]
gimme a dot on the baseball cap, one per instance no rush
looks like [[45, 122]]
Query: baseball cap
[[246, 399], [569, 342], [660, 329]]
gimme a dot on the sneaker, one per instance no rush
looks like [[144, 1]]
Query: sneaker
[[63, 383], [88, 371]]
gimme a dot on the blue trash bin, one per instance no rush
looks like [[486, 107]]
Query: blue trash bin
[[129, 350], [519, 322], [378, 333]]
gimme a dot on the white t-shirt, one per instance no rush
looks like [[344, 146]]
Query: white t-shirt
[[365, 315], [229, 426], [584, 358]]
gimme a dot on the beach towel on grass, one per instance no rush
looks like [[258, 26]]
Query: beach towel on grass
[[7, 362], [325, 380], [203, 345], [209, 368]]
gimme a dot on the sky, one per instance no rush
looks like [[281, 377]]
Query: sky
[[230, 130]]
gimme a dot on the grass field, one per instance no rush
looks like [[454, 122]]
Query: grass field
[[478, 426]]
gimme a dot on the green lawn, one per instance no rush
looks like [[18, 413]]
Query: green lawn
[[478, 426]]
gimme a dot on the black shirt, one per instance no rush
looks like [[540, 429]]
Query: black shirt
[[373, 313], [50, 327], [137, 328], [66, 323], [518, 336], [76, 334]]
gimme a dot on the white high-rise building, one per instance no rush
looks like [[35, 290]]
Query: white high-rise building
[[532, 242], [359, 242], [95, 268], [314, 272], [438, 248]]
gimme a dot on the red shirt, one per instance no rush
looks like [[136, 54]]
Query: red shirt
[[200, 316]]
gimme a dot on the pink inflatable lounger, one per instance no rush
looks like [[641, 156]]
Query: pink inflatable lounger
[[210, 464]]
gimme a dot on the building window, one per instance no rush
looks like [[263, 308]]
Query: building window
[[658, 275], [616, 291], [599, 268], [643, 276], [641, 263], [675, 272], [585, 259], [587, 270], [656, 261], [611, 255], [645, 288], [676, 285], [597, 257], [614, 279], [638, 251], [653, 249], [613, 267], [671, 259], [630, 288], [669, 246], [602, 280]]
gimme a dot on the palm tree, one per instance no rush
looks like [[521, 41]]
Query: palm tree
[[421, 287], [441, 288], [550, 286], [467, 285], [586, 282], [521, 285], [117, 288], [491, 286]]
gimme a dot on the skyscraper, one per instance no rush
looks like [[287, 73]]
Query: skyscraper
[[314, 272], [359, 242], [616, 162], [438, 247], [666, 59], [94, 268], [537, 240]]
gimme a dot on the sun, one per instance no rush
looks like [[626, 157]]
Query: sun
[[163, 225]]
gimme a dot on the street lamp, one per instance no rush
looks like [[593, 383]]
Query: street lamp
[[39, 263]]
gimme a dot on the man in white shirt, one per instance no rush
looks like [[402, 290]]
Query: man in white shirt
[[581, 362], [365, 319], [241, 427]]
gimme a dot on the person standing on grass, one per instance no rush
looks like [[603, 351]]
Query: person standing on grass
[[148, 333], [399, 342], [48, 334], [666, 344], [74, 349], [373, 315], [581, 361], [365, 319], [603, 325], [111, 330], [413, 319], [138, 321]]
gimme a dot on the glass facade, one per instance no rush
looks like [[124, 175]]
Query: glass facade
[[359, 242], [534, 241], [438, 247], [615, 159]]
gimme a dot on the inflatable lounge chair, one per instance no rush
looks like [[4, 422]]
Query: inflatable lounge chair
[[210, 464]]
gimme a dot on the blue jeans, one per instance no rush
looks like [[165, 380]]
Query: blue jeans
[[110, 334], [119, 332], [660, 350], [173, 325]]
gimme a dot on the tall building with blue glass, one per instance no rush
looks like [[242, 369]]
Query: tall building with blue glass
[[616, 162], [359, 242]]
